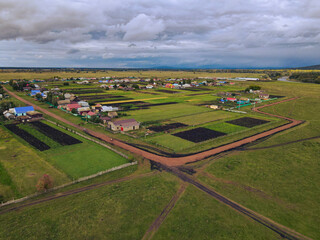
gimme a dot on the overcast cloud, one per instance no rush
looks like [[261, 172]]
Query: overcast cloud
[[149, 33]]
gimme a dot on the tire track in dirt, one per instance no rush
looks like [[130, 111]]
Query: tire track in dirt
[[159, 220], [279, 145], [75, 191], [176, 161], [283, 231]]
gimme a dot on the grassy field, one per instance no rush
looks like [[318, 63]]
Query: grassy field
[[212, 115], [134, 73], [198, 216], [166, 112], [82, 159], [118, 211], [179, 145], [280, 183], [22, 166]]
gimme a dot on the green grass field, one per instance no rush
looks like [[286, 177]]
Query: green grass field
[[198, 216], [140, 74], [283, 183], [82, 159], [118, 211], [165, 112], [212, 115], [22, 166], [280, 182]]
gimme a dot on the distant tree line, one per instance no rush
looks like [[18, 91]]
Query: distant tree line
[[308, 77]]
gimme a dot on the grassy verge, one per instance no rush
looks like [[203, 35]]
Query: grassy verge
[[198, 216]]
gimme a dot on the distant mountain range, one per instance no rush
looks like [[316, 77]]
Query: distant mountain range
[[314, 67]]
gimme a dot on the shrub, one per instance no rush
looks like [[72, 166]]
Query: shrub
[[44, 183]]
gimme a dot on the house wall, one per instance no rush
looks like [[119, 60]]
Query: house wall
[[118, 128]]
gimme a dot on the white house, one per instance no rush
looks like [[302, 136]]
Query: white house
[[109, 109]]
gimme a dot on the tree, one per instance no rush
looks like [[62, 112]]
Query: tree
[[5, 106], [135, 86], [252, 87], [38, 96], [65, 84], [74, 111], [44, 183]]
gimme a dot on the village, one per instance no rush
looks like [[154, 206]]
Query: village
[[107, 115]]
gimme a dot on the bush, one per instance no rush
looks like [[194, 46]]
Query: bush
[[253, 87], [44, 183]]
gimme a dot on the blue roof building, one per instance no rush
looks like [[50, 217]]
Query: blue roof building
[[34, 92], [22, 111]]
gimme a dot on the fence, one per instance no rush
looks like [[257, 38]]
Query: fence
[[69, 183], [88, 138]]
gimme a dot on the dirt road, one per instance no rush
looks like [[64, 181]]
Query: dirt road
[[75, 191], [175, 161], [283, 231]]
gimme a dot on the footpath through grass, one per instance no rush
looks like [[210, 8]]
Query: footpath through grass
[[118, 211], [199, 216]]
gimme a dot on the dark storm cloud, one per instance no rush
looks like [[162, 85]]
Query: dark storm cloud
[[191, 33]]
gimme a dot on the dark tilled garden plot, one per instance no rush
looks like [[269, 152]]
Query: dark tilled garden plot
[[167, 91], [247, 122], [199, 134], [167, 127]]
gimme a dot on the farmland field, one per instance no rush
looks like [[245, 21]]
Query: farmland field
[[21, 167], [61, 162], [226, 127], [109, 212], [83, 159], [166, 112], [199, 134], [211, 220], [275, 177]]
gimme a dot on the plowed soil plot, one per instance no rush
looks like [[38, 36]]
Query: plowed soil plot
[[247, 122], [55, 134], [41, 146], [167, 127], [167, 91], [102, 96], [275, 96], [85, 91], [199, 134]]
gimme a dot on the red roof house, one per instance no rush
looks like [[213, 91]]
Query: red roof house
[[73, 106]]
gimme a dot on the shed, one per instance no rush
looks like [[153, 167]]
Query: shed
[[105, 119], [83, 104], [263, 95], [34, 114], [109, 108], [83, 110], [112, 114]]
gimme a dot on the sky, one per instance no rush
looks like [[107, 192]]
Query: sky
[[159, 33]]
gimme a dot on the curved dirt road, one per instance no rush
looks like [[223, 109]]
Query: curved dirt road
[[170, 161]]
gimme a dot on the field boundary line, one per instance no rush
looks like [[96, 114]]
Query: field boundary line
[[165, 212], [69, 183], [88, 138]]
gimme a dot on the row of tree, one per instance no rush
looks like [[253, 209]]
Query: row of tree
[[308, 77]]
